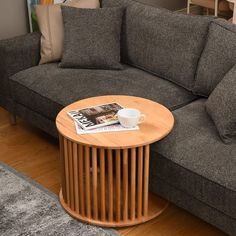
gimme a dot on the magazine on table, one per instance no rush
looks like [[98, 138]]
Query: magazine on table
[[97, 116], [104, 129]]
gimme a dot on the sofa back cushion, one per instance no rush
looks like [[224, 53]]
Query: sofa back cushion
[[218, 57], [162, 42], [221, 106], [165, 43], [116, 3]]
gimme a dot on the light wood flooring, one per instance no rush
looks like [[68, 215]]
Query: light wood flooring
[[36, 154]]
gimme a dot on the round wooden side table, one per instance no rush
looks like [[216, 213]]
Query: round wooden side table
[[105, 176]]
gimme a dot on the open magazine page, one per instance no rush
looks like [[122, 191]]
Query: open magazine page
[[110, 128], [96, 116]]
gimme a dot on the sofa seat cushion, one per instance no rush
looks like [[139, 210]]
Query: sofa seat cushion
[[193, 159], [46, 89]]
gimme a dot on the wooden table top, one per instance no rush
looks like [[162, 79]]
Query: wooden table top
[[158, 123]]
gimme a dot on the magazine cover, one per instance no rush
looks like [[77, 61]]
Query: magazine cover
[[97, 116], [105, 129]]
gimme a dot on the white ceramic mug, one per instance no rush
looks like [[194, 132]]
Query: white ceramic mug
[[129, 117]]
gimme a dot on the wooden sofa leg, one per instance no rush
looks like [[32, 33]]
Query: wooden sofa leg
[[12, 119]]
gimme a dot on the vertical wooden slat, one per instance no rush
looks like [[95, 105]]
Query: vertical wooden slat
[[102, 184], [146, 180], [71, 173], [62, 161], [133, 184], [76, 176], [67, 176], [110, 186], [118, 185], [81, 180], [140, 181], [95, 183], [87, 182], [125, 184]]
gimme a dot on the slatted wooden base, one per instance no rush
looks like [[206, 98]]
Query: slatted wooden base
[[107, 187]]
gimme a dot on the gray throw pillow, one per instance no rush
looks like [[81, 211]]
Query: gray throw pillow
[[221, 106], [218, 57], [92, 38]]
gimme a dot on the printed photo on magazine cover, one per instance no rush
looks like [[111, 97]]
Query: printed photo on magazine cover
[[102, 114], [96, 116]]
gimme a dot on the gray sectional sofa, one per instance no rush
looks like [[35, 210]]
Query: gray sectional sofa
[[165, 57]]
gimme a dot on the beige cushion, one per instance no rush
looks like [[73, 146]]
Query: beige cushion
[[51, 26], [223, 4]]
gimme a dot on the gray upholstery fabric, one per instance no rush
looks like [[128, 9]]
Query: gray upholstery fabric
[[221, 106], [92, 38], [143, 37], [17, 54], [7, 103], [162, 42], [165, 43], [123, 3], [116, 3], [217, 58], [193, 205], [193, 159], [49, 88], [36, 119]]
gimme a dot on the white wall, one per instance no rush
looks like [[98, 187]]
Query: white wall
[[13, 18]]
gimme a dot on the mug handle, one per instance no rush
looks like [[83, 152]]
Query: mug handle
[[142, 118]]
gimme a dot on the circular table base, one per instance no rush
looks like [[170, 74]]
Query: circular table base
[[156, 206]]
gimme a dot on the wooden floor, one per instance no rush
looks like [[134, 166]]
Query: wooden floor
[[36, 154]]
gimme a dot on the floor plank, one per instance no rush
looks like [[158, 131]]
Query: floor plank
[[36, 154]]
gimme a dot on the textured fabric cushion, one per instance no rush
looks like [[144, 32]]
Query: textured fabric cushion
[[193, 159], [46, 89], [217, 58], [162, 42], [37, 120], [17, 54], [221, 106], [51, 26], [116, 3], [165, 43], [92, 38]]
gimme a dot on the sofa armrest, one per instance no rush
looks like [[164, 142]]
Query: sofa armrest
[[17, 54]]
